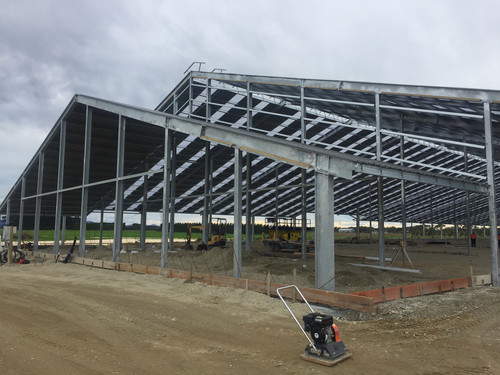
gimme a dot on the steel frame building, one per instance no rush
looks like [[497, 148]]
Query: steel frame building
[[255, 146]]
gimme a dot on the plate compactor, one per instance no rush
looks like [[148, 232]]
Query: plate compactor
[[325, 347]]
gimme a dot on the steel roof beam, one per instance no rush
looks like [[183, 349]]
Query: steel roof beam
[[304, 156], [409, 175], [383, 88]]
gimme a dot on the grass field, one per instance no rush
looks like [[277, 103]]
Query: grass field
[[48, 235]]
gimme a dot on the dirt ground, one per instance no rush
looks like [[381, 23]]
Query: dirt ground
[[436, 261], [71, 319]]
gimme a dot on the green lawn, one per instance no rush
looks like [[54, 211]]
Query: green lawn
[[48, 235]]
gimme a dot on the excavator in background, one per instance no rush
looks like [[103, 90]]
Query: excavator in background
[[284, 234], [218, 229]]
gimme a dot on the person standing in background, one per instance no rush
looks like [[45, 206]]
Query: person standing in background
[[473, 238]]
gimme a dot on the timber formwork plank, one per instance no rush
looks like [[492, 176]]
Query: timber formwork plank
[[359, 303], [414, 290]]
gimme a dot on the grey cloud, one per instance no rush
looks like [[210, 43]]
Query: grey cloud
[[136, 51]]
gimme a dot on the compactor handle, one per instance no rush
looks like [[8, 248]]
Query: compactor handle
[[290, 311]]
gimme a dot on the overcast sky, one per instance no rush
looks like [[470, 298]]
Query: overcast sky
[[136, 51]]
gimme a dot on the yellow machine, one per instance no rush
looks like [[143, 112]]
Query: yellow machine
[[218, 232], [286, 230], [283, 234], [218, 228]]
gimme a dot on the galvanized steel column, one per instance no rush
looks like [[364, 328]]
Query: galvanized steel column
[[144, 212], [38, 204], [303, 173], [21, 213], [403, 188], [172, 192], [324, 231], [210, 193], [370, 210], [276, 204], [357, 222], [248, 211], [166, 199], [208, 115], [488, 134], [85, 181], [303, 137], [467, 205], [60, 180], [432, 213], [101, 223], [380, 184], [120, 162], [455, 216], [304, 213], [206, 198], [238, 212], [381, 238], [378, 134]]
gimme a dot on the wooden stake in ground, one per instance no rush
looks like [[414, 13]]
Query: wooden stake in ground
[[223, 263], [471, 273], [268, 279], [182, 263], [204, 260]]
